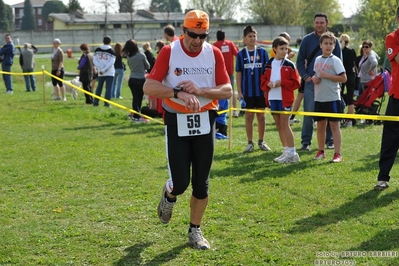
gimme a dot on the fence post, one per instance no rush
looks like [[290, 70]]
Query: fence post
[[44, 85]]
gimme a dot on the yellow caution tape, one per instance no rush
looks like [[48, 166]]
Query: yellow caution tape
[[103, 99], [334, 115]]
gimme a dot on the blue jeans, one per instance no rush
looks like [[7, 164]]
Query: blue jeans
[[117, 83], [108, 87], [308, 106], [30, 80], [7, 78]]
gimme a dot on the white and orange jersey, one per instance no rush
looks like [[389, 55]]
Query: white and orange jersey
[[200, 70]]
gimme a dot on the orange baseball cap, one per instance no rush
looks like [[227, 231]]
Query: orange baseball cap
[[196, 19]]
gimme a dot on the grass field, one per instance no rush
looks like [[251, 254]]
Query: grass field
[[80, 186]]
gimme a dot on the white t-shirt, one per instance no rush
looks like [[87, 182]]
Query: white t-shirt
[[328, 90], [275, 93]]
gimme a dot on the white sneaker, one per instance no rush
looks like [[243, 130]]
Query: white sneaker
[[9, 92], [235, 113], [264, 147], [278, 159], [249, 148], [195, 237], [165, 208], [348, 123], [289, 158], [381, 185], [64, 99], [293, 121]]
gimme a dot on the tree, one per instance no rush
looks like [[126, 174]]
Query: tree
[[5, 22], [126, 6], [277, 12], [73, 5], [165, 6], [53, 6], [10, 16], [377, 19], [220, 8], [28, 20], [331, 8], [293, 12]]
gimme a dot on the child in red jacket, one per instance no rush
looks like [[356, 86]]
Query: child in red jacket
[[279, 82]]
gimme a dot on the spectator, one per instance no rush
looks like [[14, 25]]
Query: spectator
[[86, 70], [229, 51], [279, 81], [221, 120], [57, 66], [7, 56], [169, 33], [120, 68], [159, 46], [138, 65], [349, 60], [27, 62], [290, 53], [104, 60], [367, 66], [250, 66], [329, 71], [148, 54], [189, 97], [299, 96], [308, 51]]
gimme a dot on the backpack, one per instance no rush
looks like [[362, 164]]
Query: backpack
[[386, 74]]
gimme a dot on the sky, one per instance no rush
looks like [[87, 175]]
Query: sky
[[348, 6]]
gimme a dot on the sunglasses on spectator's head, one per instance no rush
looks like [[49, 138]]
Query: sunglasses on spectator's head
[[365, 46], [195, 35]]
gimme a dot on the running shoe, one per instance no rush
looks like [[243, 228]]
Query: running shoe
[[278, 159], [337, 158], [165, 208], [290, 158], [196, 238], [249, 148], [381, 185], [330, 146], [263, 146], [320, 155], [294, 121]]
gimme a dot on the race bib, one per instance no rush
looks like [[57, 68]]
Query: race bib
[[193, 124]]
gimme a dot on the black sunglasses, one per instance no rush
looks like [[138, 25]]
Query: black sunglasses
[[365, 47], [195, 35]]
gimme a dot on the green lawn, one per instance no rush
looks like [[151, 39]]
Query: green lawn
[[80, 186]]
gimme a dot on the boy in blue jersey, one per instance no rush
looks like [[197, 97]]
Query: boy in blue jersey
[[250, 66]]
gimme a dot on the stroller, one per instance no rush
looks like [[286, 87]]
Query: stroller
[[371, 100]]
